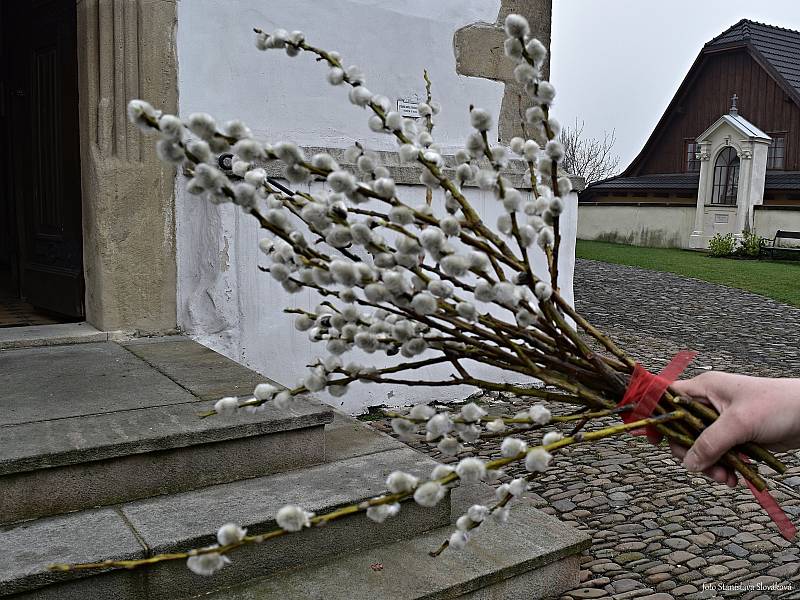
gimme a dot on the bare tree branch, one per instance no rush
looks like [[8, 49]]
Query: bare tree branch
[[588, 157]]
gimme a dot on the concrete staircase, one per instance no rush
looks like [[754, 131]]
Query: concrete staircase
[[102, 456]]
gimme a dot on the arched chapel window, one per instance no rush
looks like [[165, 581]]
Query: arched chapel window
[[726, 177]]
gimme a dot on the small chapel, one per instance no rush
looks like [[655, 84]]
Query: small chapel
[[723, 158]]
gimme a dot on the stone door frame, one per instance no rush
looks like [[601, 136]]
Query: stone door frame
[[126, 49]]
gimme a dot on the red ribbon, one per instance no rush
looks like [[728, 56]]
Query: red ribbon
[[645, 391], [769, 504]]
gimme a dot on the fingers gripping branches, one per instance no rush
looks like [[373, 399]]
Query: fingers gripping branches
[[426, 284]]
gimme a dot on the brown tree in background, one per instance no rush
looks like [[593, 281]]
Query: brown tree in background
[[588, 157]]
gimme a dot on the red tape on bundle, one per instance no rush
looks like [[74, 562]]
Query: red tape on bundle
[[644, 392]]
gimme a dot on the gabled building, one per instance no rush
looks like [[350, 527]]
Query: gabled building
[[724, 157]]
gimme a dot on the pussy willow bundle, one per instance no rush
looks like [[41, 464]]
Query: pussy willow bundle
[[429, 284]]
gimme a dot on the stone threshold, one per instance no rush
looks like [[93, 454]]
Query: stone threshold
[[50, 335]]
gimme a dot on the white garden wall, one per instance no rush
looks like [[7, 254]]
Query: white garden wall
[[769, 219], [652, 225], [224, 301]]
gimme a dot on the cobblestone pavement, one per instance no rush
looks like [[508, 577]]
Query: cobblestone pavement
[[659, 532]]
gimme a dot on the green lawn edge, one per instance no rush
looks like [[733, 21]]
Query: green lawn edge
[[779, 280]]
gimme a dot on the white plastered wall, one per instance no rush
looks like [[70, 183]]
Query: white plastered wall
[[224, 301]]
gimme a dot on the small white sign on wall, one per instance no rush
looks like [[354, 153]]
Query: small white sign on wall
[[408, 107], [720, 218]]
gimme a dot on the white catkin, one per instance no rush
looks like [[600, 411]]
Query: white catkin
[[408, 152], [517, 26], [546, 237], [402, 215], [449, 446], [551, 437], [467, 311], [517, 487], [424, 303], [264, 391], [440, 288], [360, 96], [484, 291], [480, 119], [384, 187], [556, 205], [477, 512], [293, 518], [440, 471], [375, 123], [496, 426], [202, 125], [230, 533], [226, 406], [469, 433], [478, 260], [547, 92], [512, 447], [513, 48], [536, 50], [472, 412], [439, 425], [207, 564], [525, 318], [454, 265], [505, 292], [471, 469], [248, 150], [335, 76], [282, 400], [504, 224], [539, 414], [464, 523], [525, 72], [538, 460], [501, 514], [303, 323], [458, 540], [422, 411], [543, 291], [450, 226], [400, 482], [403, 428], [429, 493], [379, 513]]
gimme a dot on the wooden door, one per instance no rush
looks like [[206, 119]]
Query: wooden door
[[40, 57]]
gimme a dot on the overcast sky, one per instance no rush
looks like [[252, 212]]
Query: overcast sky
[[617, 63]]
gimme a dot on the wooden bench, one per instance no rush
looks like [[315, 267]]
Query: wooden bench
[[783, 235]]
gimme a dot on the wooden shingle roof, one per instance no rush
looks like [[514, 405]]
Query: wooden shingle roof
[[679, 182], [779, 47]]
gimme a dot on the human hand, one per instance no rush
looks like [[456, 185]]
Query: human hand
[[752, 409]]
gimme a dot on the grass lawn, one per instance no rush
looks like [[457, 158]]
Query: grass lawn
[[779, 280]]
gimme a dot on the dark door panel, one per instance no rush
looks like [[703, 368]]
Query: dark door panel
[[46, 168]]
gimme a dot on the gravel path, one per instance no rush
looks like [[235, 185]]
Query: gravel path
[[659, 532]]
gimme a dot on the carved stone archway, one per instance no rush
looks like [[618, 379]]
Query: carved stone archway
[[126, 49]]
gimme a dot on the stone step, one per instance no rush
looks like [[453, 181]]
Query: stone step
[[532, 556], [189, 519], [50, 335], [127, 428]]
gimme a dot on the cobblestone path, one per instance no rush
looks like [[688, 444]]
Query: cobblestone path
[[659, 532]]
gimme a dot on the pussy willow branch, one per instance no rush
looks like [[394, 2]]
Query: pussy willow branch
[[320, 520], [568, 345], [428, 126]]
